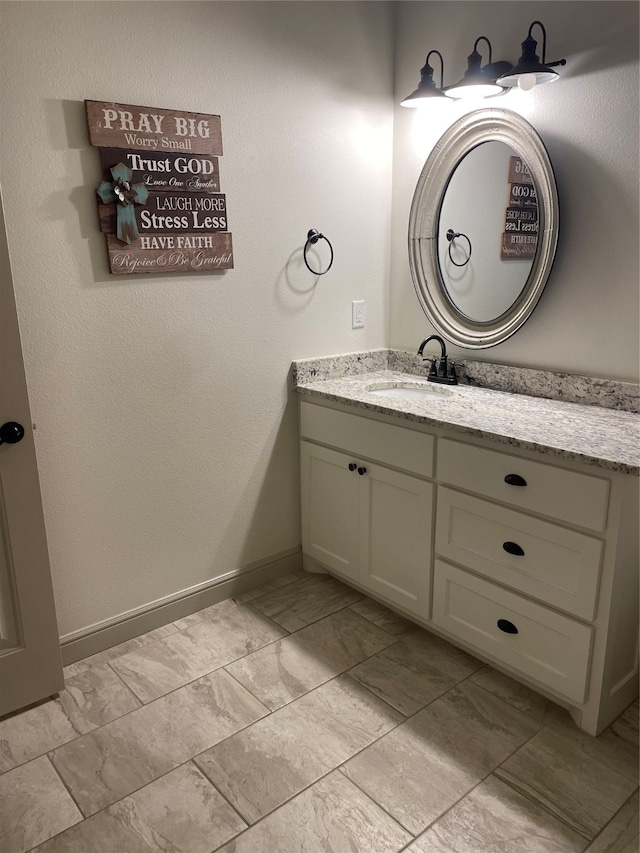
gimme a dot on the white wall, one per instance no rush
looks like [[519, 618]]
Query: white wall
[[166, 438], [166, 442], [587, 319]]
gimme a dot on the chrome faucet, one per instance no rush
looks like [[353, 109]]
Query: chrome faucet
[[444, 372]]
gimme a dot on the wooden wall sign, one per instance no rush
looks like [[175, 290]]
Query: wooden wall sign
[[168, 253], [169, 213], [151, 129], [520, 237], [159, 202], [164, 171]]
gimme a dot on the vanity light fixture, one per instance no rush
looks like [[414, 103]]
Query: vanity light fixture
[[529, 69], [426, 87], [479, 81]]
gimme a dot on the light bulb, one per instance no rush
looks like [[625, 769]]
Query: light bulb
[[526, 81]]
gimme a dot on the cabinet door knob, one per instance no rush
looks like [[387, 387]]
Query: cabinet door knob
[[362, 471], [513, 548], [11, 432], [352, 466], [515, 480], [506, 626]]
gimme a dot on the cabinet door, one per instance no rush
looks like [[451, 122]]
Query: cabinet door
[[396, 523], [330, 508]]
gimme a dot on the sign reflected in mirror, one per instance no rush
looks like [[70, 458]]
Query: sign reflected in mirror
[[483, 228], [520, 237]]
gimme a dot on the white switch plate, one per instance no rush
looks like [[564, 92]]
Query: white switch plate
[[357, 314]]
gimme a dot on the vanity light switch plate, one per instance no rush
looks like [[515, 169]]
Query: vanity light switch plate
[[357, 314]]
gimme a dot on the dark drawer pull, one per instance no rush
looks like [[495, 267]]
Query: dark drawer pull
[[362, 471], [11, 433], [507, 627], [352, 466], [515, 480], [513, 548]]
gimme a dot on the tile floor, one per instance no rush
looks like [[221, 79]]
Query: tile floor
[[305, 718]]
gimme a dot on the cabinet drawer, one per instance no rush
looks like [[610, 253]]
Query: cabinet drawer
[[557, 565], [564, 495], [548, 647], [393, 445]]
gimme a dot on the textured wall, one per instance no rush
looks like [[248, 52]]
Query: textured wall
[[166, 442], [587, 319], [166, 438]]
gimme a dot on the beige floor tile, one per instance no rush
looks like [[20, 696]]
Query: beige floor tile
[[261, 767], [516, 694], [620, 835], [580, 779], [90, 699], [415, 671], [492, 818], [621, 735], [624, 731], [287, 669], [332, 816], [306, 600], [420, 769], [34, 805], [95, 697], [383, 617], [184, 656], [550, 795], [206, 613], [31, 733], [178, 813], [111, 762], [277, 583], [121, 649]]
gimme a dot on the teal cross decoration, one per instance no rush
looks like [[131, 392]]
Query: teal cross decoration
[[125, 194]]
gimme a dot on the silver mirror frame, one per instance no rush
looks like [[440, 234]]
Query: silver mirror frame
[[463, 136]]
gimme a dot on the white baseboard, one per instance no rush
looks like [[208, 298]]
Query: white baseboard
[[95, 638]]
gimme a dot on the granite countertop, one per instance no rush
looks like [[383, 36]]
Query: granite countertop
[[602, 437]]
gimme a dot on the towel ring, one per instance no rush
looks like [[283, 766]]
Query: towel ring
[[312, 237], [451, 236]]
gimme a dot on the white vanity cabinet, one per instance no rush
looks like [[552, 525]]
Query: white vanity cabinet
[[527, 560], [361, 518]]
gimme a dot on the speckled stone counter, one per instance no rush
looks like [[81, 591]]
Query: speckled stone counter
[[553, 385], [603, 437]]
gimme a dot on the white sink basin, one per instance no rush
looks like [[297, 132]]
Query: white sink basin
[[408, 391]]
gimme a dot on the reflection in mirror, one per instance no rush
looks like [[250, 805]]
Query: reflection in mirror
[[483, 228], [487, 231]]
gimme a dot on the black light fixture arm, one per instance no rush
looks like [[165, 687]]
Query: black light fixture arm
[[544, 46], [426, 72], [475, 46]]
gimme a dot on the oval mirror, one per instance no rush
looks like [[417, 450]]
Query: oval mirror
[[483, 228]]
